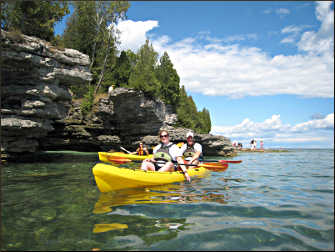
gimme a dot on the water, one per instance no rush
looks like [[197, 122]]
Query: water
[[270, 201]]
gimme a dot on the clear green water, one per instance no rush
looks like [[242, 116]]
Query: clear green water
[[270, 201]]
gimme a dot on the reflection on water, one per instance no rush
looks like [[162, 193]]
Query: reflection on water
[[272, 201], [100, 228], [164, 194]]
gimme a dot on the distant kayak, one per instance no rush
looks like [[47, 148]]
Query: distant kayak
[[109, 177], [107, 157]]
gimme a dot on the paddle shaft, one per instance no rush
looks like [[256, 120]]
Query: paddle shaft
[[222, 161], [125, 150], [126, 160], [162, 162]]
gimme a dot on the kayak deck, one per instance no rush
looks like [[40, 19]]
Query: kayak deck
[[109, 177]]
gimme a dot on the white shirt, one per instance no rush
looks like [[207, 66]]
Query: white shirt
[[197, 147], [174, 151]]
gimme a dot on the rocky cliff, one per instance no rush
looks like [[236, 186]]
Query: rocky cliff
[[38, 113], [34, 89]]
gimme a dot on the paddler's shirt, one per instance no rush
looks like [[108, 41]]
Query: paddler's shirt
[[188, 151], [170, 149]]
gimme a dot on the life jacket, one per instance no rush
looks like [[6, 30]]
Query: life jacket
[[163, 154], [140, 151], [189, 152]]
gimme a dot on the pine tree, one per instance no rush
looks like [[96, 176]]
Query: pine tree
[[143, 76], [169, 80], [33, 18]]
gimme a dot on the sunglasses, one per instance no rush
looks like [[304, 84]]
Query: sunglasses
[[161, 136]]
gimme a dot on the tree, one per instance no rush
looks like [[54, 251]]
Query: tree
[[121, 71], [143, 76], [33, 18], [189, 117], [80, 29], [92, 30], [184, 111], [169, 80], [204, 125]]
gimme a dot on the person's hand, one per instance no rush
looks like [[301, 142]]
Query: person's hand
[[188, 178]]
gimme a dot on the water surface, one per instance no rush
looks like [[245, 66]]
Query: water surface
[[270, 201]]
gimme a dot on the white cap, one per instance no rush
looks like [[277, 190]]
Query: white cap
[[189, 134]]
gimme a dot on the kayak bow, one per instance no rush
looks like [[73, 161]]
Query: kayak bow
[[109, 177]]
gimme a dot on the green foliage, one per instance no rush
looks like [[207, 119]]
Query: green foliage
[[121, 72], [91, 30], [87, 31], [80, 30], [143, 76], [204, 122], [169, 79], [189, 117], [88, 102], [33, 18]]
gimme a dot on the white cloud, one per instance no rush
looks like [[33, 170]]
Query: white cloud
[[289, 40], [282, 11], [232, 70], [133, 34], [267, 11], [291, 29], [322, 41], [273, 130], [325, 123]]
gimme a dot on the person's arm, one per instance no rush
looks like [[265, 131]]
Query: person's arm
[[179, 158], [180, 161], [135, 152], [197, 154], [146, 151], [195, 157]]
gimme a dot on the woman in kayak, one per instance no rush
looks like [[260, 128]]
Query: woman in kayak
[[164, 156], [191, 151], [141, 150]]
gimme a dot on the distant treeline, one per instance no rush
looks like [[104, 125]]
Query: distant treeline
[[91, 29]]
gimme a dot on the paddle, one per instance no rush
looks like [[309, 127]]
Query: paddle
[[125, 150], [223, 161], [205, 165]]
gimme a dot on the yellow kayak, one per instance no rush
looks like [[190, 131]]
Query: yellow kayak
[[109, 177], [108, 156]]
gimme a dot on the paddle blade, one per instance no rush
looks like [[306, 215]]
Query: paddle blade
[[215, 167], [230, 161], [118, 160]]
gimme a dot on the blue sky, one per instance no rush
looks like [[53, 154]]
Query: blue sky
[[264, 70]]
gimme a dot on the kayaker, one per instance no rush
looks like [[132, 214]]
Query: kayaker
[[165, 155], [141, 150], [191, 151]]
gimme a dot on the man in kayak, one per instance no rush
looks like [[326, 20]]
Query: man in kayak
[[165, 155], [141, 150], [191, 151]]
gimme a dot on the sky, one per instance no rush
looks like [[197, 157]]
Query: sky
[[264, 70]]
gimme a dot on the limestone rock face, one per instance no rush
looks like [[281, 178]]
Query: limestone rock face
[[122, 119], [34, 89], [38, 113]]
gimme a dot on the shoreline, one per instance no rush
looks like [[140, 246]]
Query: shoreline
[[261, 150]]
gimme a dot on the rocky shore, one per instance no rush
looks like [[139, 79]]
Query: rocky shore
[[39, 114]]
